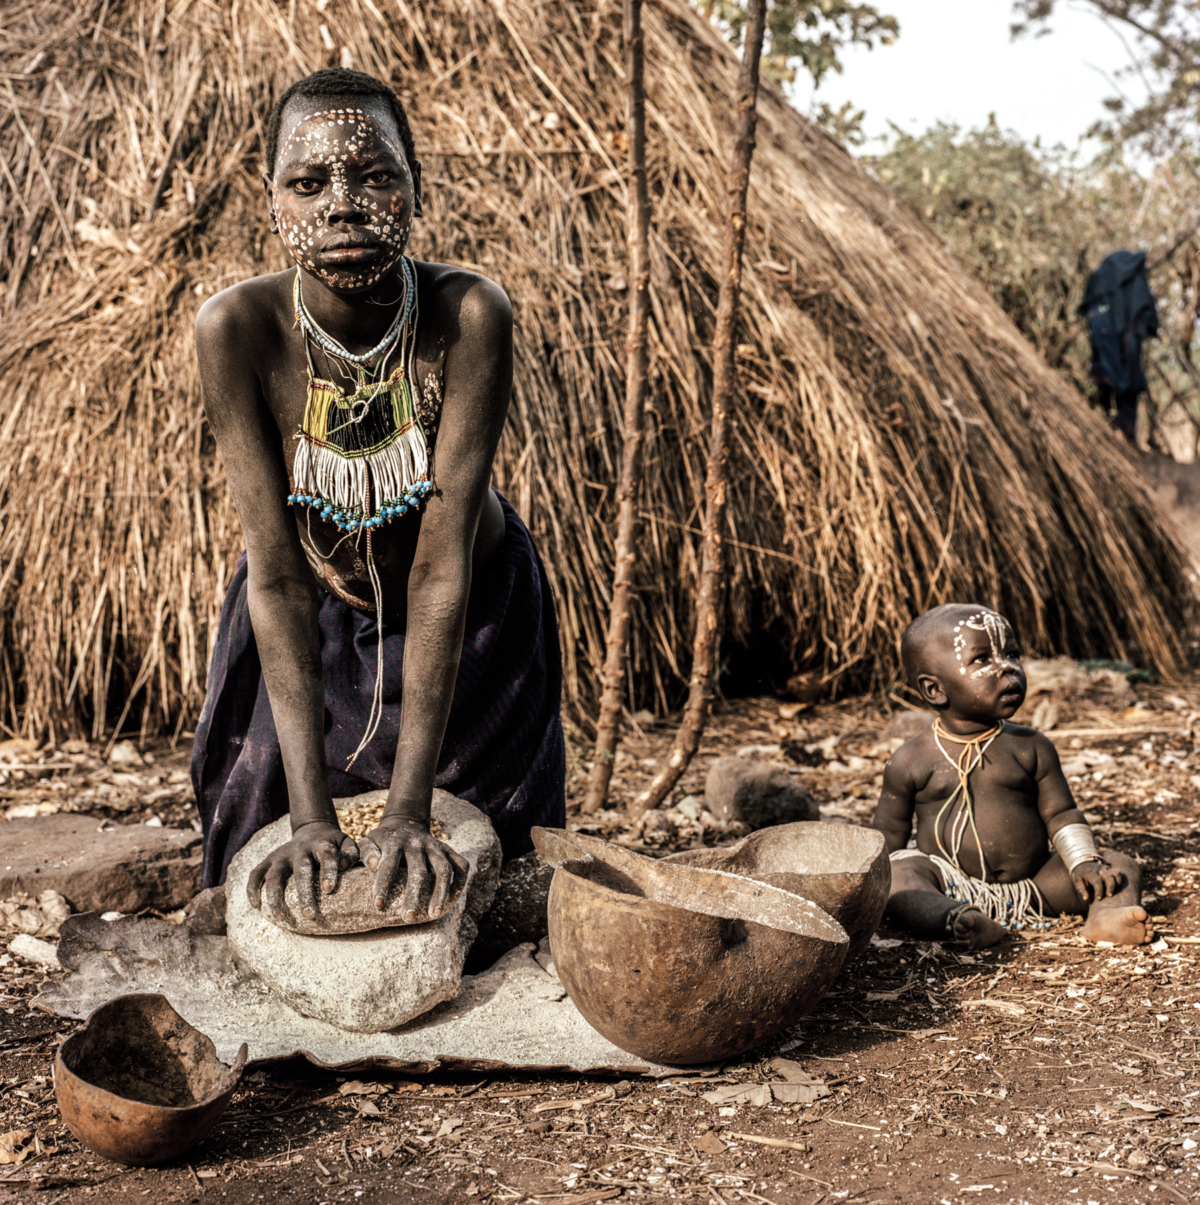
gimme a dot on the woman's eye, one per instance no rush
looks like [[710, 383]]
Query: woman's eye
[[306, 188], [379, 178]]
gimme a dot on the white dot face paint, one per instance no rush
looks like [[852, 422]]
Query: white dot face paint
[[344, 194]]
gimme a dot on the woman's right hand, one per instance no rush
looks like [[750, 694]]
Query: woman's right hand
[[314, 845]]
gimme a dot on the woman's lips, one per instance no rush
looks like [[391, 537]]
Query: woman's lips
[[344, 256]]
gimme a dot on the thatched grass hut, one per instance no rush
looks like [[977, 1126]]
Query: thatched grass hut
[[898, 444]]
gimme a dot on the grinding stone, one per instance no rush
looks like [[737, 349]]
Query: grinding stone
[[374, 981]]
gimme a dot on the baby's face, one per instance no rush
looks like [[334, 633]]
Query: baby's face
[[980, 666], [343, 192]]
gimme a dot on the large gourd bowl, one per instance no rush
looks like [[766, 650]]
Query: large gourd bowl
[[682, 964], [138, 1084], [842, 868]]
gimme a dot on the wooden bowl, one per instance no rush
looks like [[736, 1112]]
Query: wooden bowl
[[842, 868], [677, 963], [138, 1084]]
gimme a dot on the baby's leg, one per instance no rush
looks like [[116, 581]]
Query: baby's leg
[[917, 903], [1118, 918]]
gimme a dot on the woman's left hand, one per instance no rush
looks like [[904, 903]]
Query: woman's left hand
[[395, 837]]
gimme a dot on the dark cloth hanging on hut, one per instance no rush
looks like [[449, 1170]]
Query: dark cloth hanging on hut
[[503, 750], [1121, 315]]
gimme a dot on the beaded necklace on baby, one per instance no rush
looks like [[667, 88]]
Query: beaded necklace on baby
[[362, 459]]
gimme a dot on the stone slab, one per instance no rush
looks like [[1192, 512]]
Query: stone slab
[[514, 1015], [99, 867], [756, 793], [367, 982]]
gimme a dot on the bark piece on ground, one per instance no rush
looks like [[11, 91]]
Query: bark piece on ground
[[756, 794], [99, 866]]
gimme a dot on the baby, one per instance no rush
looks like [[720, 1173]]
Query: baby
[[990, 799]]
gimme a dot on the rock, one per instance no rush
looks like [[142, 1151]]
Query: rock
[[756, 794], [33, 949], [518, 913], [904, 725], [367, 982], [99, 868], [124, 753]]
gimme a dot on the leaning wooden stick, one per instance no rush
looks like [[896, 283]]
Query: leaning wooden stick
[[712, 570], [638, 223]]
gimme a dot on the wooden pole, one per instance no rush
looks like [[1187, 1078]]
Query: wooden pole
[[612, 679], [712, 571]]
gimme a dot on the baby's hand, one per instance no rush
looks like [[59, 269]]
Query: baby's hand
[[1096, 881]]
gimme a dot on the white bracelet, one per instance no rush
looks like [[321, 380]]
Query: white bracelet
[[1075, 844]]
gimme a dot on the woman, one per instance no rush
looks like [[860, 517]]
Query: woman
[[390, 624]]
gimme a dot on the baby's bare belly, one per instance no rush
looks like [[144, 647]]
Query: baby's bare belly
[[1013, 836]]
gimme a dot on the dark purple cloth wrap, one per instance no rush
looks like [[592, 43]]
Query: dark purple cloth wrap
[[503, 750]]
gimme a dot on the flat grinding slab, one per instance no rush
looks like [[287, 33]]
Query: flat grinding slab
[[516, 1014], [99, 866]]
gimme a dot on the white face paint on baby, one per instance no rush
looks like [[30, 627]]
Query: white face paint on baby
[[996, 628]]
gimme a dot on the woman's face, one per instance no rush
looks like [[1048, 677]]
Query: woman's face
[[343, 193]]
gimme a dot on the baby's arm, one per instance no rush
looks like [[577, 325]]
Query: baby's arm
[[897, 800], [1056, 805]]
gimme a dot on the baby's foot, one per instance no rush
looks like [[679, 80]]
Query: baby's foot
[[1124, 926], [972, 929]]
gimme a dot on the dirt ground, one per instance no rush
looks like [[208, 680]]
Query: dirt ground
[[1046, 1070]]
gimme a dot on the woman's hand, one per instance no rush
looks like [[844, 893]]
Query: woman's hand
[[423, 853], [317, 844]]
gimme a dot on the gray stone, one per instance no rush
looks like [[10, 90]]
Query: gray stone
[[99, 867], [757, 794], [516, 1014], [367, 982], [518, 913], [904, 725]]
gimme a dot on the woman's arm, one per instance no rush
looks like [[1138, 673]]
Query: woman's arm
[[477, 317], [282, 596]]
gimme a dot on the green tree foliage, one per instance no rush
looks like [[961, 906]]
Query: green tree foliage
[[806, 34], [1031, 223], [1163, 37]]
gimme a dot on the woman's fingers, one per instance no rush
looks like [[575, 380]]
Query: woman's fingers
[[369, 852], [255, 882], [418, 876], [386, 873], [348, 855], [277, 877], [327, 857], [462, 865], [305, 872], [443, 878]]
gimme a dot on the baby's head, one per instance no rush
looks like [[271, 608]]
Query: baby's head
[[964, 660]]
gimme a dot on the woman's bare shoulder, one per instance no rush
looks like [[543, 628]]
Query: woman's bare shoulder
[[242, 316], [463, 296]]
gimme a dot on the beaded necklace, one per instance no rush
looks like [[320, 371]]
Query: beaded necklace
[[971, 757], [362, 459]]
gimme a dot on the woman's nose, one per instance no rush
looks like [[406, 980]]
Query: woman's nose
[[346, 207]]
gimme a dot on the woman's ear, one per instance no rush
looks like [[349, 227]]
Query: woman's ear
[[932, 691], [415, 167], [269, 189]]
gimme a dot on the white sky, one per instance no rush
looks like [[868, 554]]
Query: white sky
[[955, 60]]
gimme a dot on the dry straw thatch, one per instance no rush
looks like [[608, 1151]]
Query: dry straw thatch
[[899, 444]]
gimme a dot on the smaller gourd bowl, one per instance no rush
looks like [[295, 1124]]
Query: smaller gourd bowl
[[842, 868], [138, 1084], [682, 964]]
